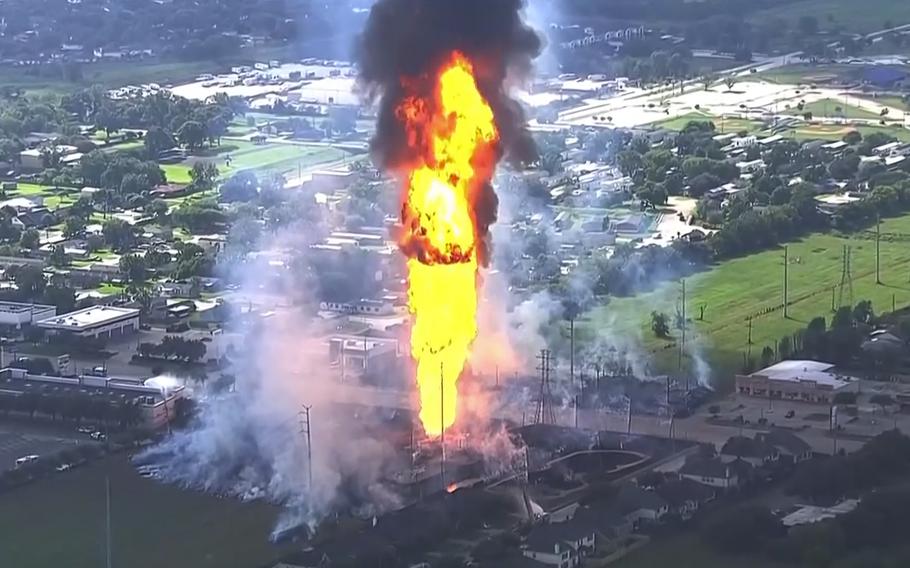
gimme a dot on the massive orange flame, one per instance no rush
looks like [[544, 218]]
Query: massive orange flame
[[452, 136]]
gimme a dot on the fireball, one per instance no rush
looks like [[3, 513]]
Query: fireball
[[453, 140]]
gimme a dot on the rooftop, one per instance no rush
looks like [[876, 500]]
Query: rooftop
[[20, 308], [89, 317], [804, 370]]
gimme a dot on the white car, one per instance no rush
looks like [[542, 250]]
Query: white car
[[100, 436], [64, 467], [25, 460], [85, 430]]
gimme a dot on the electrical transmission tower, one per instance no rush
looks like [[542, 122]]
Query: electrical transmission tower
[[544, 413], [845, 288], [304, 418]]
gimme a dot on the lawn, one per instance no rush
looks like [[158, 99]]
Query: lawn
[[62, 520], [831, 108], [680, 122], [110, 289], [736, 289], [802, 73], [685, 551], [723, 125], [805, 131], [891, 101], [53, 197], [276, 157]]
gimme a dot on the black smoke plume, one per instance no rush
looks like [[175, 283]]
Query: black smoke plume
[[413, 38]]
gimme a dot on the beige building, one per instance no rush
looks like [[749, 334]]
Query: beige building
[[802, 381]]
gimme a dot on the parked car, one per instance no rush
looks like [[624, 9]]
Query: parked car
[[26, 460], [99, 436]]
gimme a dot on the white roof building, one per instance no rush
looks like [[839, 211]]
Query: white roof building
[[95, 321]]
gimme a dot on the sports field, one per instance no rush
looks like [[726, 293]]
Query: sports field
[[834, 108], [60, 521], [804, 131], [733, 291], [282, 158]]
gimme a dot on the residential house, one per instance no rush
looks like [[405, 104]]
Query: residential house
[[715, 472], [608, 522], [641, 505], [560, 544], [751, 450], [792, 448], [635, 223], [685, 496]]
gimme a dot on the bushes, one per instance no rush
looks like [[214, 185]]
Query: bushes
[[174, 348]]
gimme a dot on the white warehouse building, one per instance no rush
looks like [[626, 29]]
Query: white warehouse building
[[97, 321], [16, 315]]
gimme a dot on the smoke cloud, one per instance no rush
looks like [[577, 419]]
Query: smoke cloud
[[408, 40]]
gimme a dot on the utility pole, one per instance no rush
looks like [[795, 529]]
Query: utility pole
[[682, 311], [629, 419], [878, 238], [304, 417], [786, 281], [544, 413], [572, 350], [442, 425], [107, 524]]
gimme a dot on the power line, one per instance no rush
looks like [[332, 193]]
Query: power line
[[845, 290]]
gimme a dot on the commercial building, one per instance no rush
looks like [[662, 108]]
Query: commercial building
[[157, 405], [96, 321], [803, 381], [15, 316]]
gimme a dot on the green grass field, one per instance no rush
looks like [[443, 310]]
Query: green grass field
[[53, 197], [736, 289], [891, 101], [806, 131], [246, 156], [60, 521], [829, 108], [803, 73]]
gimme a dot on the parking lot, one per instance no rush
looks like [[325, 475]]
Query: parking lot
[[18, 440]]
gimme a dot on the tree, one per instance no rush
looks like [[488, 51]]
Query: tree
[[660, 324], [729, 81], [204, 175], [133, 268], [73, 227], [767, 356], [192, 134], [157, 208], [158, 140], [242, 186], [30, 239], [118, 234], [29, 280], [58, 257]]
